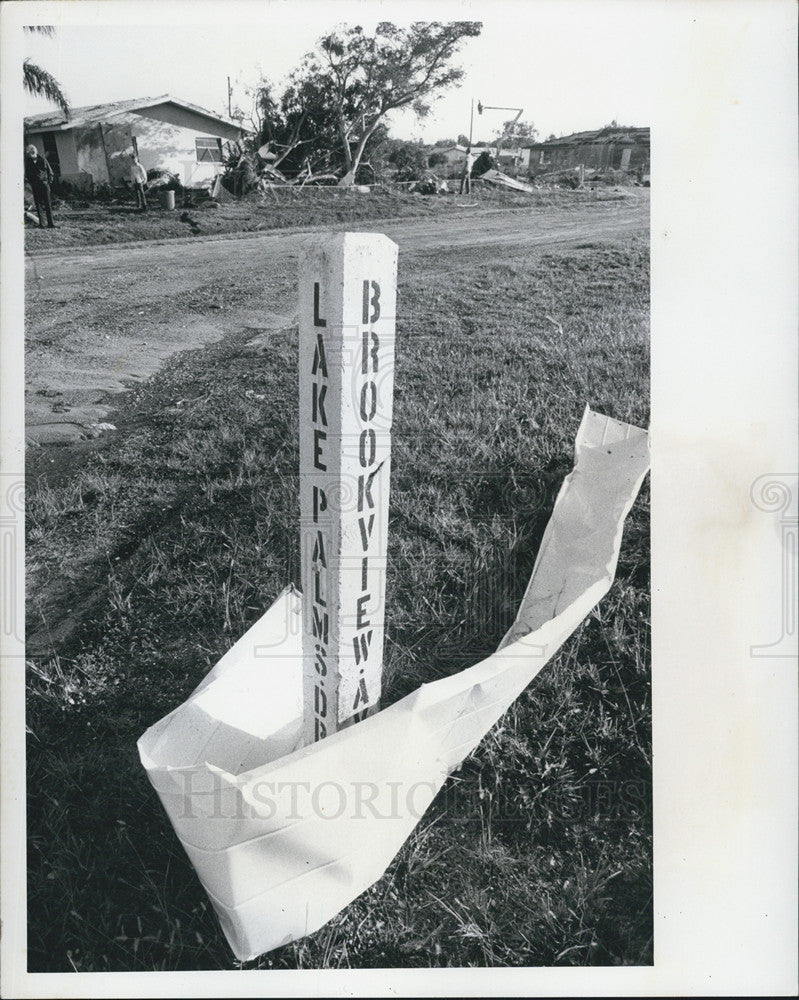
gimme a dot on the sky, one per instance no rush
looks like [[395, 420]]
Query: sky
[[569, 64]]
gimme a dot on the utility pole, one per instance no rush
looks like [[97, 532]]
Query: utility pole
[[466, 174], [229, 94], [471, 124]]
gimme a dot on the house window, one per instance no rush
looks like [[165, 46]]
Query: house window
[[209, 150]]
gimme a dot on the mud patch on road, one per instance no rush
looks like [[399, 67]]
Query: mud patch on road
[[78, 375], [75, 379]]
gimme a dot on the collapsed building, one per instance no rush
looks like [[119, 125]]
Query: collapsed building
[[611, 148]]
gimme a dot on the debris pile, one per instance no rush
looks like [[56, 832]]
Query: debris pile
[[430, 183], [503, 180]]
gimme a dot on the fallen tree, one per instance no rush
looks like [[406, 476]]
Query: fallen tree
[[369, 76]]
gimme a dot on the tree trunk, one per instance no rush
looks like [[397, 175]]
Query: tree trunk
[[355, 160], [349, 173]]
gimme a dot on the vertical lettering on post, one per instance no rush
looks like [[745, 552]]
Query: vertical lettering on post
[[347, 328]]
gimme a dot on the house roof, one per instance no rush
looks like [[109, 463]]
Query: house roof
[[477, 147], [611, 133], [93, 113]]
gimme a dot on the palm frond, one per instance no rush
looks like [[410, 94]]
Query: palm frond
[[40, 29], [39, 83]]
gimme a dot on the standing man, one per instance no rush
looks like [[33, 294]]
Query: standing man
[[466, 176], [138, 176], [39, 174]]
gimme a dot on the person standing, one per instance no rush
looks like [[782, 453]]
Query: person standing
[[466, 176], [39, 174], [138, 176]]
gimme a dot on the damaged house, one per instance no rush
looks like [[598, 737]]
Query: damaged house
[[610, 148], [93, 147]]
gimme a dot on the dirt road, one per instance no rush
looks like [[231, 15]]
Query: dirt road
[[103, 318]]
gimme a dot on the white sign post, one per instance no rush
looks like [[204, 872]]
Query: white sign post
[[348, 287]]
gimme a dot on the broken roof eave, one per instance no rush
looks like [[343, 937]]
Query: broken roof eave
[[56, 122], [634, 135]]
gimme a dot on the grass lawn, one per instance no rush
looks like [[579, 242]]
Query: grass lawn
[[161, 547]]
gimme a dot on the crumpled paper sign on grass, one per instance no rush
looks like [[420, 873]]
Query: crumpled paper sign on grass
[[283, 836]]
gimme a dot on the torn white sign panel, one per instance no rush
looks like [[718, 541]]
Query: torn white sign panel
[[284, 836]]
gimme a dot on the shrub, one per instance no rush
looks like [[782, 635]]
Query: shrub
[[485, 161], [410, 161], [241, 173], [162, 180]]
